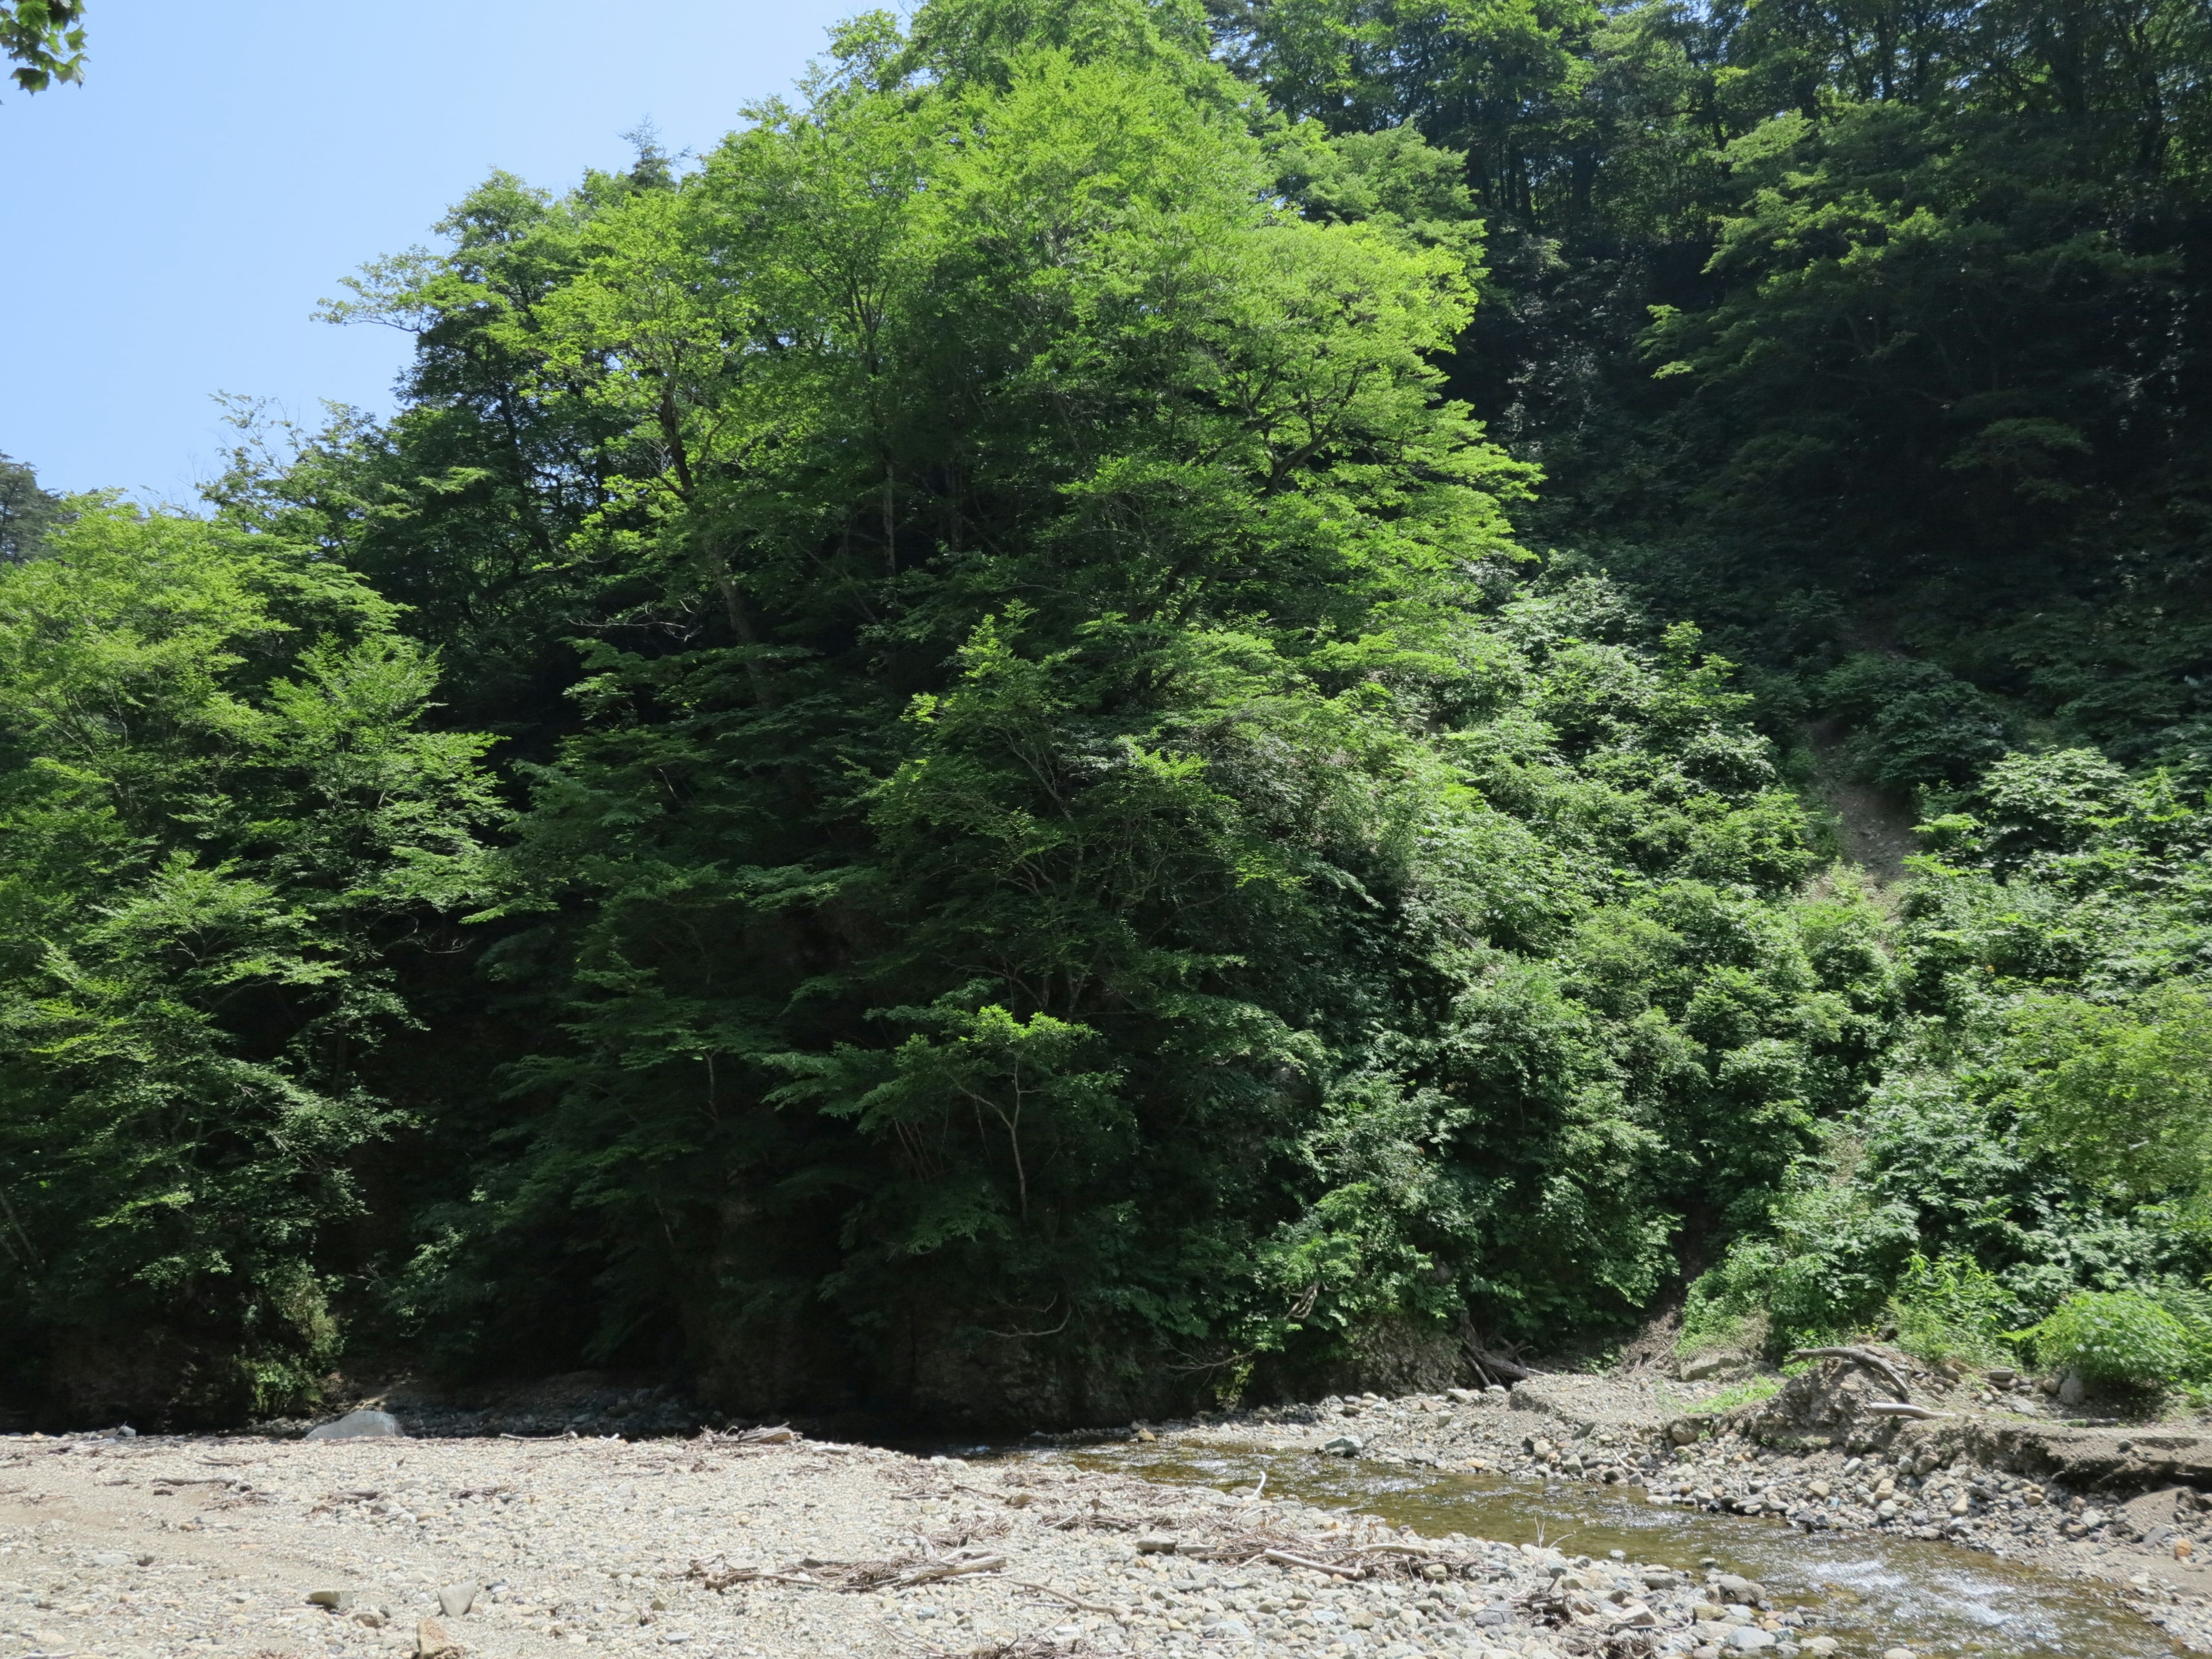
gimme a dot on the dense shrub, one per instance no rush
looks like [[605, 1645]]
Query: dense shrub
[[2116, 1339]]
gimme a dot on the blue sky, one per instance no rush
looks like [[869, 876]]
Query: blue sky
[[170, 225]]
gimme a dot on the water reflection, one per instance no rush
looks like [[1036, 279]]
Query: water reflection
[[1870, 1592]]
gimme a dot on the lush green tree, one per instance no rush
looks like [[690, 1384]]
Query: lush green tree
[[1080, 848], [27, 512], [223, 819], [45, 39], [1838, 326]]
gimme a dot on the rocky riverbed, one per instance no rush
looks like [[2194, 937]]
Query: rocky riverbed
[[116, 1546], [2121, 1504], [459, 1539]]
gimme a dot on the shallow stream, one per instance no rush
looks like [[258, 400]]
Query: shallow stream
[[1870, 1591]]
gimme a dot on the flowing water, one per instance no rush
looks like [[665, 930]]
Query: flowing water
[[1870, 1591]]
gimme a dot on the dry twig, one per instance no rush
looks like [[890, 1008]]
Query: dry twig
[[1072, 1601]]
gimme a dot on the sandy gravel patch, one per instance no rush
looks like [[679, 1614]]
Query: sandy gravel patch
[[113, 1548]]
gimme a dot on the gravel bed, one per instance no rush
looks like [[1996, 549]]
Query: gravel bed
[[123, 1545]]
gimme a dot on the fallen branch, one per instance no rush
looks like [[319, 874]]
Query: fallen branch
[[1072, 1601], [1902, 1408], [1858, 1357], [849, 1576], [1284, 1557], [940, 1570]]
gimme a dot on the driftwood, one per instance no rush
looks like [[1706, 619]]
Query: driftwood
[[1349, 1557], [1873, 1361], [901, 1574], [936, 1570], [1902, 1408]]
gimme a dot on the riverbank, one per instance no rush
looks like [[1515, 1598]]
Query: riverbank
[[126, 1547], [1147, 1543]]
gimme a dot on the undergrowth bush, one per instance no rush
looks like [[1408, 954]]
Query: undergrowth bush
[[2117, 1339], [1723, 1309], [1952, 1308]]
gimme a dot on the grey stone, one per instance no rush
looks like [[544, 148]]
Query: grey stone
[[337, 1601], [1748, 1639], [1156, 1544], [361, 1424], [1345, 1445], [2072, 1390], [1704, 1365], [455, 1600]]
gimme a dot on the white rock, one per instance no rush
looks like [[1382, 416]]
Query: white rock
[[359, 1426]]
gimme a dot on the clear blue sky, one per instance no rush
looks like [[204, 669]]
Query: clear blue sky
[[167, 228]]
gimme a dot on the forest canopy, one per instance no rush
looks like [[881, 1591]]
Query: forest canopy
[[1139, 703]]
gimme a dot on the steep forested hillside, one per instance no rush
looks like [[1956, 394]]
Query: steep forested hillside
[[1046, 737], [1871, 332]]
